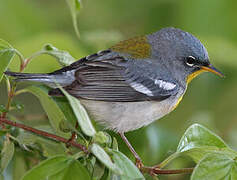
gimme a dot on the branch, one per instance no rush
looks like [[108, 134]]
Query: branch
[[173, 171], [156, 171], [44, 134]]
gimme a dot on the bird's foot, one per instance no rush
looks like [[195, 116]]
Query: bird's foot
[[153, 171], [139, 163]]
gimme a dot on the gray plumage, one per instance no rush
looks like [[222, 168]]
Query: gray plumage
[[124, 93]]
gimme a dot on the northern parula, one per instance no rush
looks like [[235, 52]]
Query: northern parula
[[133, 83]]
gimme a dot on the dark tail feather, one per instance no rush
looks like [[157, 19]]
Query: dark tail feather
[[47, 79], [28, 76], [50, 79]]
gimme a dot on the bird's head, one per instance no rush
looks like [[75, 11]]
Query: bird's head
[[182, 53]]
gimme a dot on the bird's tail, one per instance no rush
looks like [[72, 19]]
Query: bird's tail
[[48, 79]]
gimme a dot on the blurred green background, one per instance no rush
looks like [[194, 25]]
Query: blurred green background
[[209, 100]]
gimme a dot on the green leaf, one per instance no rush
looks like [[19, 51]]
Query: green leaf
[[64, 127], [100, 153], [115, 144], [26, 138], [58, 167], [51, 148], [81, 114], [215, 166], [66, 108], [6, 154], [19, 165], [74, 6], [198, 141], [101, 138], [48, 147], [7, 53], [98, 170], [199, 136], [129, 170], [74, 171], [63, 57], [50, 106]]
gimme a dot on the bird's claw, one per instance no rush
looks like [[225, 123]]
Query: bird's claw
[[145, 169], [139, 163]]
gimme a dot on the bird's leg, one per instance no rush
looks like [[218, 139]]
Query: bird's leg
[[154, 170], [138, 159]]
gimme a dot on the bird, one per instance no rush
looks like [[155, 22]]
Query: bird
[[134, 82]]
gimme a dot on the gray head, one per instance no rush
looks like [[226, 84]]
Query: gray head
[[183, 53]]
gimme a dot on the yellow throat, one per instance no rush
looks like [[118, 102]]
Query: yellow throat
[[193, 75], [189, 79]]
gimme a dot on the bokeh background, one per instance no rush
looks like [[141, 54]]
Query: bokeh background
[[210, 100]]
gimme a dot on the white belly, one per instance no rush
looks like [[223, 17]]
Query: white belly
[[127, 116]]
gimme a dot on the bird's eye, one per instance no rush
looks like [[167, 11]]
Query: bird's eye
[[190, 61]]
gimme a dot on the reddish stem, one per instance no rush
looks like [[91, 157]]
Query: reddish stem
[[156, 171], [44, 134], [173, 171]]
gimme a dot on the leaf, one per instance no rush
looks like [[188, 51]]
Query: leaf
[[81, 114], [74, 171], [74, 6], [48, 147], [215, 166], [6, 154], [58, 167], [100, 153], [63, 57], [20, 165], [7, 53], [98, 170], [129, 170], [199, 136], [115, 144], [66, 108], [50, 106], [101, 138], [51, 148], [198, 141], [26, 138]]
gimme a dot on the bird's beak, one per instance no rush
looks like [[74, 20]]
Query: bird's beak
[[212, 69]]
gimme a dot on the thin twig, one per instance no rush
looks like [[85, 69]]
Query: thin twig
[[173, 171], [157, 171], [44, 134]]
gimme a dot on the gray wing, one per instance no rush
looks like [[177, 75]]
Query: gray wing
[[119, 80]]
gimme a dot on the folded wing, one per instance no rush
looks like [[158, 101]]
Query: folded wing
[[118, 80]]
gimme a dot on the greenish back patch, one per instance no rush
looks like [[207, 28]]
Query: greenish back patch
[[137, 47]]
